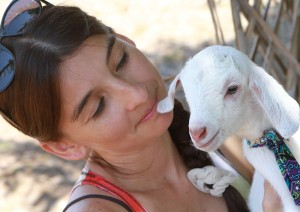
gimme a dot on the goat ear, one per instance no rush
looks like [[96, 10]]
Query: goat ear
[[282, 110], [167, 104]]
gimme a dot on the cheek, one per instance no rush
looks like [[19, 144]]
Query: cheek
[[113, 129], [232, 98], [106, 137]]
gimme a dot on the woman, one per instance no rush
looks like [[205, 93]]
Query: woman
[[86, 92]]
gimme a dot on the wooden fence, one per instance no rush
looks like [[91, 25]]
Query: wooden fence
[[269, 33]]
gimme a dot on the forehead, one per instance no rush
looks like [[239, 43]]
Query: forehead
[[203, 67], [213, 72], [82, 70], [88, 57], [87, 49]]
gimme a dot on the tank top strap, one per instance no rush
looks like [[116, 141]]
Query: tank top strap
[[90, 178]]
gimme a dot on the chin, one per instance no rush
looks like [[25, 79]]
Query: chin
[[167, 118], [210, 146], [164, 121]]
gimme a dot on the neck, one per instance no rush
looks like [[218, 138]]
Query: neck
[[147, 168]]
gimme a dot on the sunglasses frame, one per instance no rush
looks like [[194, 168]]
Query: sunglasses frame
[[5, 70], [7, 10]]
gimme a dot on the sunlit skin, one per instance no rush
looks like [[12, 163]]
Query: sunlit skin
[[118, 120], [128, 93], [127, 132]]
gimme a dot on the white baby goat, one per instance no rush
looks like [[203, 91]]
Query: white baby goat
[[229, 95]]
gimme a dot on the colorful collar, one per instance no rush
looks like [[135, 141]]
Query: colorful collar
[[287, 164]]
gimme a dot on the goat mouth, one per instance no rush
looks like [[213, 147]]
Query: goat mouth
[[209, 143]]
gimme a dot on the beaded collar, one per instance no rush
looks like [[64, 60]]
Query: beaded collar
[[286, 162]]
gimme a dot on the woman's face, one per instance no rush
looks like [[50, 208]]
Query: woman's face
[[109, 95]]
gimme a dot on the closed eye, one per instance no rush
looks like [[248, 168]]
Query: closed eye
[[100, 108], [123, 61]]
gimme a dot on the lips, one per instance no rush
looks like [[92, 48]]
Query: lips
[[150, 112]]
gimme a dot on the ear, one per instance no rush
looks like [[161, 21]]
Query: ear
[[124, 38], [167, 104], [282, 110], [65, 149]]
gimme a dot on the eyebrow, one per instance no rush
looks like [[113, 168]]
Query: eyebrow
[[110, 44], [79, 108]]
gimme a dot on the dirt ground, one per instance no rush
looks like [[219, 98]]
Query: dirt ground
[[167, 31]]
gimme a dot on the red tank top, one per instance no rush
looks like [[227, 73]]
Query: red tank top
[[91, 178]]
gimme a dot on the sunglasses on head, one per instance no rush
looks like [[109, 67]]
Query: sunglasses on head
[[16, 16]]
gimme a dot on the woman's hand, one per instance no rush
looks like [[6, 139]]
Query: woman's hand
[[271, 200]]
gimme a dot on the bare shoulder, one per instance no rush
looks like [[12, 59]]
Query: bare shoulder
[[94, 202]]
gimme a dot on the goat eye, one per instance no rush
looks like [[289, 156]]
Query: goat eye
[[232, 89]]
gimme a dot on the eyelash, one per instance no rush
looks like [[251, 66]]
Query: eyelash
[[101, 105], [123, 61], [100, 108]]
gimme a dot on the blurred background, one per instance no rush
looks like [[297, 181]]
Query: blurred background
[[167, 31]]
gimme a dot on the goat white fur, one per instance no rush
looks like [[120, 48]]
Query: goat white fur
[[229, 95]]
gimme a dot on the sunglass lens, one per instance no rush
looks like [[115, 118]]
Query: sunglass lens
[[6, 68], [19, 14]]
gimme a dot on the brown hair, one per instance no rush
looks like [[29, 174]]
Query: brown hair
[[195, 158], [32, 101]]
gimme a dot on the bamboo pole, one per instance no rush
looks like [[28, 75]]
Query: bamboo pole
[[269, 35], [217, 25], [240, 40]]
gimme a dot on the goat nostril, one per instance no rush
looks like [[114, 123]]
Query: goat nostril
[[198, 134]]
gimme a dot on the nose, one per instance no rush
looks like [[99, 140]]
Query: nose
[[132, 95], [198, 134]]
